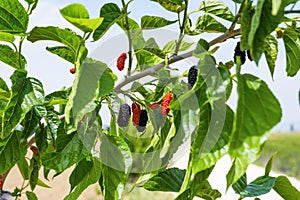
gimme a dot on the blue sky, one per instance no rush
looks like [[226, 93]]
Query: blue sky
[[54, 72]]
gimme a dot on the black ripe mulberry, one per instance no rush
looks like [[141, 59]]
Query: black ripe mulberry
[[143, 121], [124, 115], [249, 55], [192, 76], [240, 53]]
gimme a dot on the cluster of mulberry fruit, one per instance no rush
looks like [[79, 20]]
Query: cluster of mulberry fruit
[[139, 117], [121, 61]]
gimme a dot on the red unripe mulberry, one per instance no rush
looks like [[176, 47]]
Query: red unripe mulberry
[[165, 102], [121, 61], [136, 112]]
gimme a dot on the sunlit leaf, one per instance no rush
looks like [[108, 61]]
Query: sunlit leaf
[[110, 13], [292, 48], [252, 126], [271, 52], [78, 15], [148, 22], [13, 18]]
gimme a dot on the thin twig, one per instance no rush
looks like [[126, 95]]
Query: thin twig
[[172, 60]]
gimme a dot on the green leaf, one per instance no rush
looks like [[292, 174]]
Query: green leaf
[[7, 37], [276, 4], [292, 48], [259, 186], [78, 15], [11, 58], [268, 168], [91, 176], [263, 23], [42, 184], [26, 93], [31, 120], [11, 152], [209, 194], [169, 180], [171, 46], [34, 171], [205, 160], [206, 23], [80, 171], [246, 18], [110, 13], [85, 90], [149, 22], [240, 185], [217, 8], [31, 195], [285, 189], [172, 5], [57, 97], [251, 125], [63, 52], [69, 151], [106, 83], [116, 158], [23, 167], [201, 48], [271, 52], [64, 36], [13, 18]]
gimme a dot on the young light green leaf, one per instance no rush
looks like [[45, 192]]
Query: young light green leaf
[[285, 189], [217, 8], [7, 37], [64, 36], [11, 58], [292, 48], [206, 23], [14, 18], [12, 151], [259, 186], [85, 90], [149, 22], [110, 13], [31, 195], [169, 180], [271, 52], [90, 177], [251, 125], [263, 23], [78, 15]]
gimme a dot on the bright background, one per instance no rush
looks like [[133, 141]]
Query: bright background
[[54, 72]]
